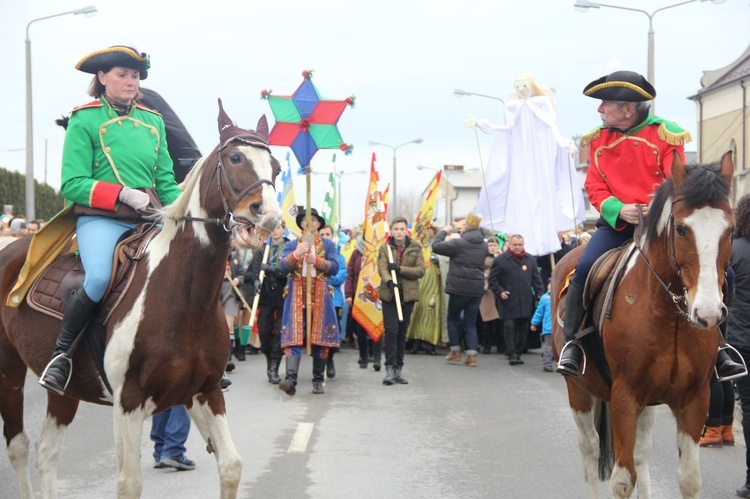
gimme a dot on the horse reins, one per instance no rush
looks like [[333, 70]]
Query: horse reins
[[229, 222], [675, 298]]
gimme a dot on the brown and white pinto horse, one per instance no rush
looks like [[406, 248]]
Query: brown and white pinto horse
[[166, 342], [660, 345]]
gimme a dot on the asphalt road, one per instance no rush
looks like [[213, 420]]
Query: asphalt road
[[494, 431]]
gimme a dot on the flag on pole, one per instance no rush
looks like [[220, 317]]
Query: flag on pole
[[367, 309], [287, 201], [426, 215], [329, 211]]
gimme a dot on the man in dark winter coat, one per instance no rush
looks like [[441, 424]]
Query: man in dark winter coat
[[464, 285], [271, 302], [515, 279]]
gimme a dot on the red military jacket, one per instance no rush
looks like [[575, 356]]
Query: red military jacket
[[628, 167]]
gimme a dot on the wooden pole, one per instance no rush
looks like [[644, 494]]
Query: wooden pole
[[237, 290], [261, 278], [396, 292], [310, 239]]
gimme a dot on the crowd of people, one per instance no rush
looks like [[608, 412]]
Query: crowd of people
[[463, 287], [13, 227]]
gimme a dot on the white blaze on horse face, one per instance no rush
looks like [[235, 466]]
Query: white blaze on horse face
[[707, 306], [264, 169]]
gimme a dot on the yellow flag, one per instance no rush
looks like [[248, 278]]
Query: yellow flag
[[425, 216], [367, 309]]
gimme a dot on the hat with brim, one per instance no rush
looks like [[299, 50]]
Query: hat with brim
[[313, 212], [117, 55], [624, 86]]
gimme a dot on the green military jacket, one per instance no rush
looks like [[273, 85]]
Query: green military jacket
[[104, 151]]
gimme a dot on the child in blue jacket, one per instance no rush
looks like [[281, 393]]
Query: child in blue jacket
[[543, 317]]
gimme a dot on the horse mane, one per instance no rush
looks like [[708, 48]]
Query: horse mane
[[179, 208], [703, 185]]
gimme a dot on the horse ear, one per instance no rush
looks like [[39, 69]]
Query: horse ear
[[678, 170], [727, 166], [223, 119], [262, 127]]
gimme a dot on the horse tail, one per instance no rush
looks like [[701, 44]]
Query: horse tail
[[603, 423]]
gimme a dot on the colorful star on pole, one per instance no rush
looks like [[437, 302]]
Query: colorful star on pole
[[306, 122]]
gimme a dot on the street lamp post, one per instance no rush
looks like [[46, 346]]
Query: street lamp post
[[394, 203], [461, 93], [585, 5], [30, 210]]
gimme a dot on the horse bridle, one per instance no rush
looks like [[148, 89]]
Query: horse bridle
[[678, 300], [229, 222]]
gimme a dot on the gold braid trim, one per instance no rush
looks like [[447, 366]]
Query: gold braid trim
[[589, 137], [672, 138], [625, 84], [124, 50]]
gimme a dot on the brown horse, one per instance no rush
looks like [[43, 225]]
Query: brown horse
[[660, 346], [166, 341]]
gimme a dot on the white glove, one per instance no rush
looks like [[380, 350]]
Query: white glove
[[470, 122], [134, 198]]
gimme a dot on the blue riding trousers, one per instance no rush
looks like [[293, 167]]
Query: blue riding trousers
[[97, 238], [604, 239]]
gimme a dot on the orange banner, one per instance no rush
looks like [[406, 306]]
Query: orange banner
[[366, 308]]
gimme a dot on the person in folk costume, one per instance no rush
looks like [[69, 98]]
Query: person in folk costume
[[271, 301], [338, 297], [408, 266], [631, 153], [115, 154], [320, 260], [426, 320]]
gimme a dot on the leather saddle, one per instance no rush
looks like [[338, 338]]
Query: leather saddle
[[52, 290]]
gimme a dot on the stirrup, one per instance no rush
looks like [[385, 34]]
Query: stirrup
[[727, 346], [569, 372], [51, 388]]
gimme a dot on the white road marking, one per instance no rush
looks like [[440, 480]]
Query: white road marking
[[301, 437]]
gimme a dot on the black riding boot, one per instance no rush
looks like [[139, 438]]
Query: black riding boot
[[726, 368], [319, 367], [273, 373], [78, 312], [572, 354], [289, 385], [330, 367]]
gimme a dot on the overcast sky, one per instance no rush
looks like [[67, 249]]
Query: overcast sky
[[402, 59]]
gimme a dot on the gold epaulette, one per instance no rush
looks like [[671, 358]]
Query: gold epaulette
[[592, 135], [144, 108], [673, 138], [88, 105]]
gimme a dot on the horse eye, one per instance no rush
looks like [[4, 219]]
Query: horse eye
[[235, 158], [680, 230]]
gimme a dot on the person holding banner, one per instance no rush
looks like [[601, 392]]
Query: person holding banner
[[271, 299], [364, 342], [400, 265], [317, 257]]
